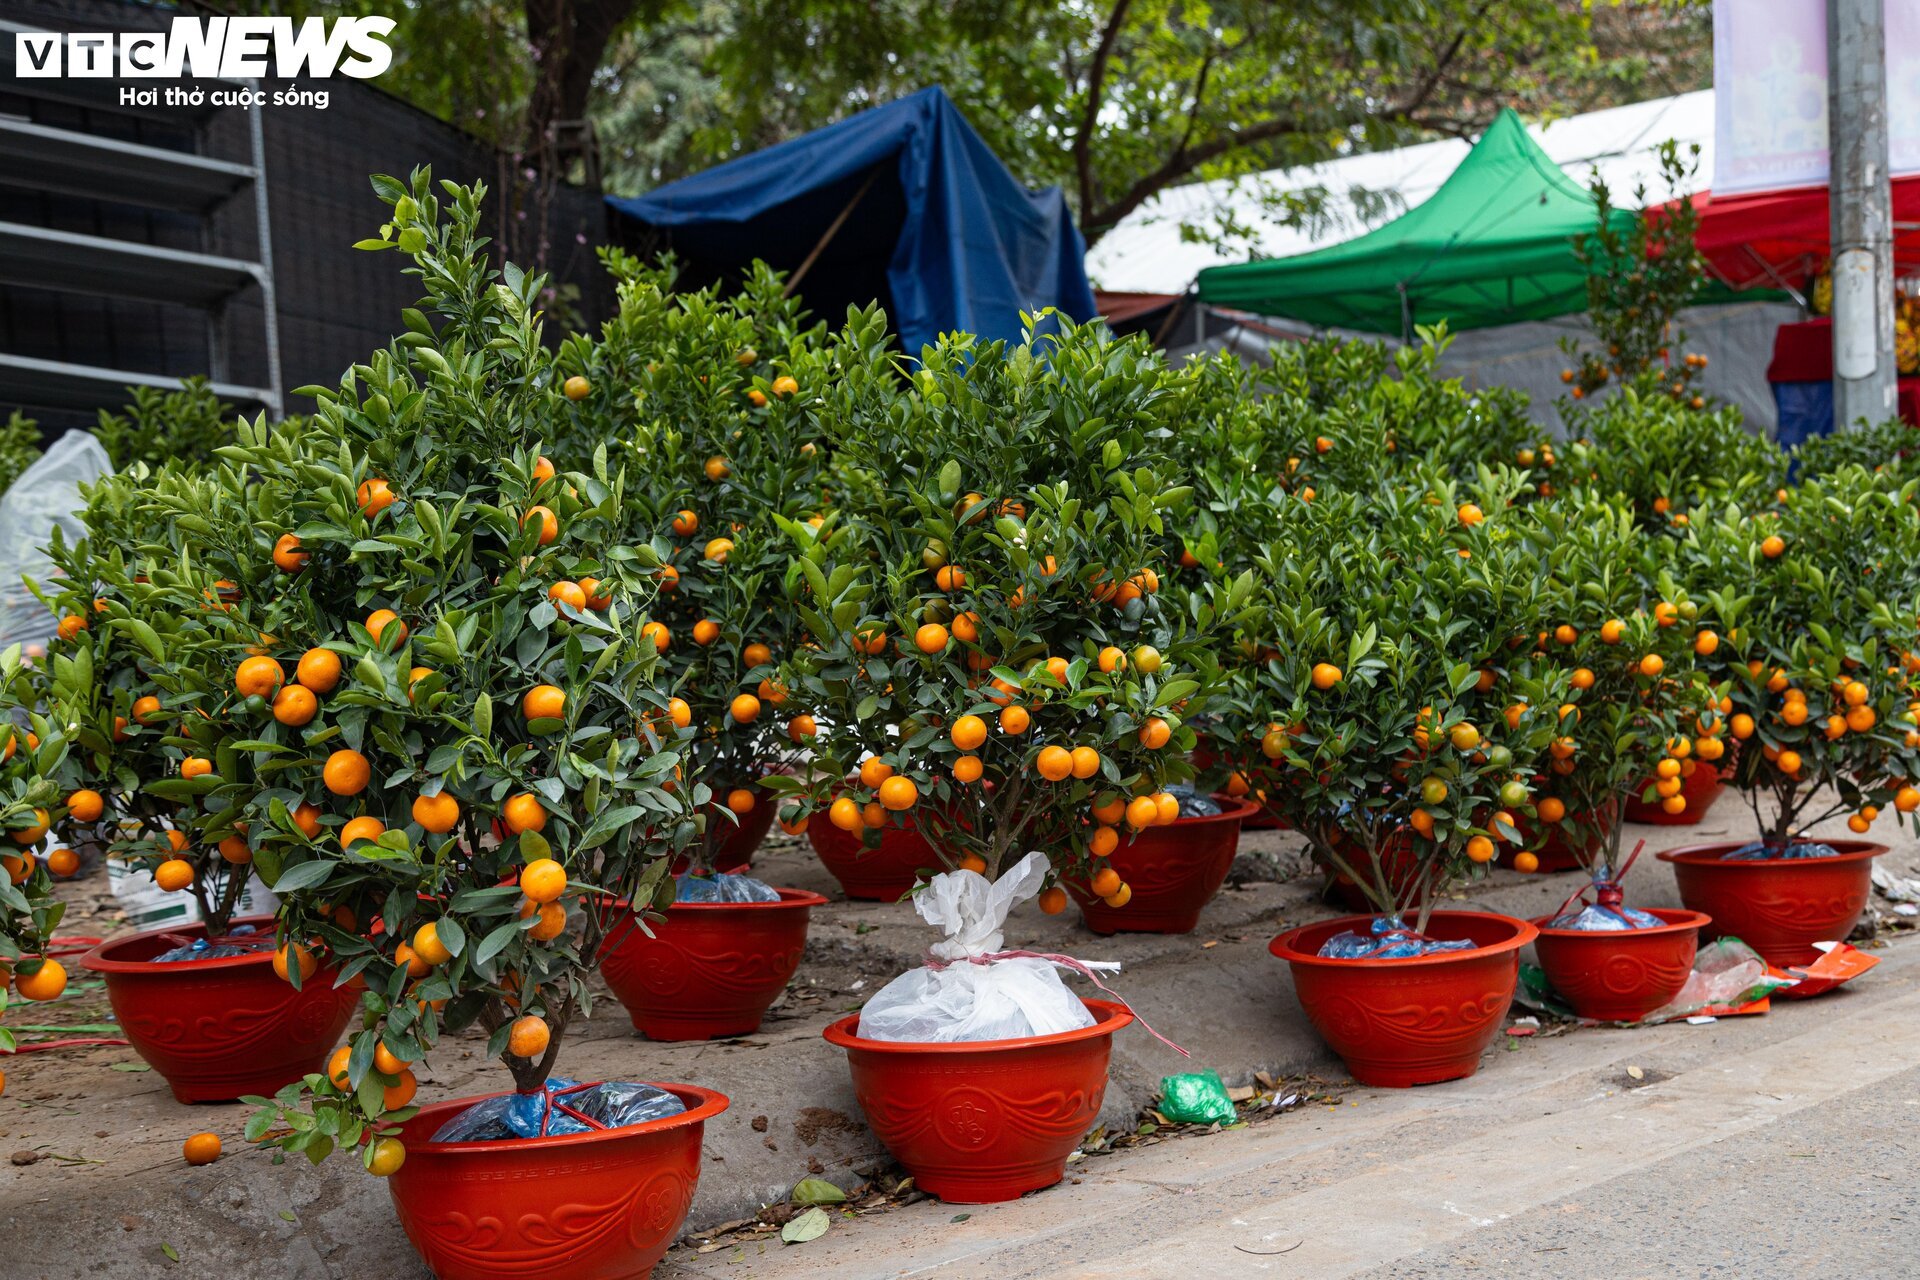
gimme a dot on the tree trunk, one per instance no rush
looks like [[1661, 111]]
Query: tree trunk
[[569, 38]]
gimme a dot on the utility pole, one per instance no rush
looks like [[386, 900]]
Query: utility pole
[[1864, 372]]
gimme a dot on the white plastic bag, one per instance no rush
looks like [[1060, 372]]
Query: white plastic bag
[[47, 493], [998, 1000]]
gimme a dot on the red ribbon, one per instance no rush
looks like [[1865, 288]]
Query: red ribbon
[[1065, 962], [1610, 896], [554, 1104]]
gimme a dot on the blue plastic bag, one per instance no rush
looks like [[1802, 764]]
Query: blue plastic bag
[[1388, 938], [1761, 851], [723, 888], [610, 1105]]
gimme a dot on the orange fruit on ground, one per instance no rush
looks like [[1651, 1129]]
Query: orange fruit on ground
[[318, 670], [568, 594], [437, 813], [930, 638], [898, 794], [524, 812], [201, 1148], [874, 771], [174, 874], [686, 522], [543, 880], [679, 712], [293, 956], [346, 772], [549, 523], [1325, 675], [234, 849], [428, 947], [258, 677], [740, 800], [967, 769], [1055, 764], [528, 1037], [385, 1156], [378, 621], [576, 388], [307, 818], [745, 708], [705, 632], [375, 495], [544, 702], [44, 983], [1053, 900], [85, 805], [295, 705]]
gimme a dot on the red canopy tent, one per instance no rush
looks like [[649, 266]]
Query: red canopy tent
[[1779, 239]]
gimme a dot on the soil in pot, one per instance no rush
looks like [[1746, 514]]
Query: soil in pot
[[606, 1204], [1778, 906], [1418, 1020], [1620, 975], [711, 968], [977, 1122], [1174, 872], [1701, 788], [223, 1028], [885, 874]]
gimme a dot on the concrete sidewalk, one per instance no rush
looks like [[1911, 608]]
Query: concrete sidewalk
[[112, 1176]]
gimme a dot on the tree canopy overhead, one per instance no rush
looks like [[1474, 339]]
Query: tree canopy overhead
[[1115, 100]]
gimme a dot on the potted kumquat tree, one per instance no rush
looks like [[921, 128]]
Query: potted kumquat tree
[[1638, 718], [29, 912], [1817, 603], [1402, 626], [479, 779], [990, 658]]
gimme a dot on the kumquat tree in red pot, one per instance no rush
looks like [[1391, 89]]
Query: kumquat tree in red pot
[[1816, 602], [1639, 719], [455, 780], [991, 658], [156, 652], [1401, 627], [733, 399]]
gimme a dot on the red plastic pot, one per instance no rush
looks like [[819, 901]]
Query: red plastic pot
[[1701, 788], [1174, 872], [1620, 975], [1414, 1021], [988, 1120], [885, 874], [1778, 906], [605, 1204], [711, 968], [219, 1029]]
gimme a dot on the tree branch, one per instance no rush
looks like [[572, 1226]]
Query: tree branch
[[1096, 90]]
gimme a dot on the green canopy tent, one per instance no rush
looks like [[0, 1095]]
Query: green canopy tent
[[1494, 245]]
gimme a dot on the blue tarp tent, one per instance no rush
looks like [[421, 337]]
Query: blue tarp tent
[[931, 224]]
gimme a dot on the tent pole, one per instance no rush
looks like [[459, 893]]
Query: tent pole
[[1406, 315], [826, 237]]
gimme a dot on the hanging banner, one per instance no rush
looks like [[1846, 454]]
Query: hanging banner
[[1770, 93]]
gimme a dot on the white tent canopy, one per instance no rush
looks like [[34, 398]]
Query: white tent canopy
[[1145, 252]]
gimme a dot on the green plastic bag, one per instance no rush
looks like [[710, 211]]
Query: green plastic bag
[[1199, 1098]]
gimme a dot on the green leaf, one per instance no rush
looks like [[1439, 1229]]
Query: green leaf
[[810, 1225], [817, 1190]]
